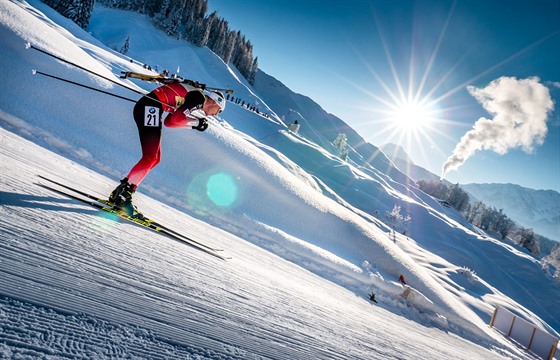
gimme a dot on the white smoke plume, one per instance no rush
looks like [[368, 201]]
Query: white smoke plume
[[520, 109]]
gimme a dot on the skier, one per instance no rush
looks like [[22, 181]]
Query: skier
[[186, 108]]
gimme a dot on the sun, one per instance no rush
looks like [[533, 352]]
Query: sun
[[411, 115]]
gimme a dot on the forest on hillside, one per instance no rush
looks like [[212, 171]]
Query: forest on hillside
[[181, 19], [493, 220]]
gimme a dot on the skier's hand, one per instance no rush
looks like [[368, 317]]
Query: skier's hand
[[202, 125]]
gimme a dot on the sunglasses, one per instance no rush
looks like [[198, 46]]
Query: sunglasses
[[217, 104]]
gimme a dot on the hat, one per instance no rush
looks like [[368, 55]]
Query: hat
[[218, 97]]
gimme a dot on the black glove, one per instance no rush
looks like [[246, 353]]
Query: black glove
[[202, 125]]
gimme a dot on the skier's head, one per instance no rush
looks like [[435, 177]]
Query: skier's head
[[218, 98]]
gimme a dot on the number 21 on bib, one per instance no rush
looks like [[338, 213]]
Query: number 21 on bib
[[151, 116]]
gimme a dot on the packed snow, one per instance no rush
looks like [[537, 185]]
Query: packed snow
[[308, 234]]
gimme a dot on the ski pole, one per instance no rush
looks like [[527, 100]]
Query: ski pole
[[82, 85], [98, 90], [190, 82], [29, 45]]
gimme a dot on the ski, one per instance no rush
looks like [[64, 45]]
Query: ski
[[160, 78], [140, 222], [111, 205]]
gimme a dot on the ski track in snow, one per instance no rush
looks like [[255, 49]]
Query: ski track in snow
[[64, 335], [84, 288]]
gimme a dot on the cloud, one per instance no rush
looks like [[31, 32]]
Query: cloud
[[520, 108]]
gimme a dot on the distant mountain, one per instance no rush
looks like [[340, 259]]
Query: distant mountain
[[395, 152], [402, 161], [536, 209]]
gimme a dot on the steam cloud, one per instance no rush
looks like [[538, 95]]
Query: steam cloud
[[520, 109]]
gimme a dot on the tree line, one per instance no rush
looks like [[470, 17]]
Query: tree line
[[182, 19], [485, 217], [78, 11]]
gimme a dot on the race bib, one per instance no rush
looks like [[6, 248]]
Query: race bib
[[151, 116]]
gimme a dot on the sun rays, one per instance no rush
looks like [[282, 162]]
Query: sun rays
[[414, 104], [405, 112]]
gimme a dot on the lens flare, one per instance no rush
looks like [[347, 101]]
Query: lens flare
[[99, 223], [221, 189]]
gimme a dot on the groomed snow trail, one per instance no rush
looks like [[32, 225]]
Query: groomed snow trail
[[74, 284]]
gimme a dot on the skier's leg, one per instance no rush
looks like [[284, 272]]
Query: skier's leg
[[147, 115], [151, 155]]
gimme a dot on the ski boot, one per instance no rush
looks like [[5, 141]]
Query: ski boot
[[121, 198]]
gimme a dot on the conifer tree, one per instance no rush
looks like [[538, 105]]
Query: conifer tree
[[341, 144], [230, 46], [187, 19], [126, 45], [253, 72], [78, 11]]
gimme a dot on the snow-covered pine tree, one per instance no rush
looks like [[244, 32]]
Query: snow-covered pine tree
[[148, 7], [126, 45], [529, 240], [78, 11], [398, 220], [342, 146], [551, 263], [218, 35], [117, 4], [504, 224], [242, 57], [175, 17], [84, 9], [187, 19], [253, 72], [475, 213], [457, 197], [194, 10], [198, 31], [437, 189], [162, 14], [230, 46]]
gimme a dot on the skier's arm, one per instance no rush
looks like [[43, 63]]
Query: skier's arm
[[180, 119], [184, 115]]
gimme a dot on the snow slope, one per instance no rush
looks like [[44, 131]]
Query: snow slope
[[306, 231]]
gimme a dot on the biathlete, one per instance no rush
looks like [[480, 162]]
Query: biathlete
[[186, 108]]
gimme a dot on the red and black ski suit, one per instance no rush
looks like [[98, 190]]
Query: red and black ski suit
[[179, 101]]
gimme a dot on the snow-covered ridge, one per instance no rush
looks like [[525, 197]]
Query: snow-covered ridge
[[293, 198], [530, 208], [536, 209]]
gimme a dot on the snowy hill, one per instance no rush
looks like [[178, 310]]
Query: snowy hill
[[536, 209], [317, 125], [321, 127], [307, 232]]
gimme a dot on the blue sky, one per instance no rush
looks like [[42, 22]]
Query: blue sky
[[368, 61]]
